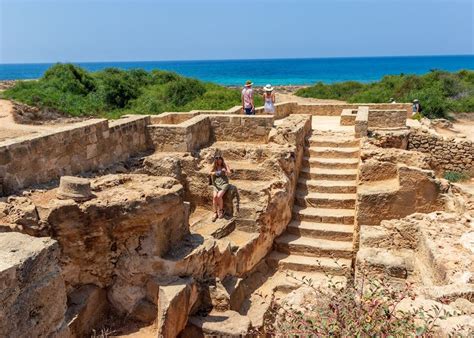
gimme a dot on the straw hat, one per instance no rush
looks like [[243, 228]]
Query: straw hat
[[248, 83], [268, 88], [415, 101]]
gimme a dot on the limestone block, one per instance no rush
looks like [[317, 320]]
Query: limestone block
[[32, 293], [176, 298], [222, 324]]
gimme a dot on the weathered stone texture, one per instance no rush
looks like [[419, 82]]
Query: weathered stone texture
[[336, 109], [413, 190], [188, 135], [241, 128], [87, 308], [32, 291], [387, 118], [71, 150], [448, 154], [176, 299]]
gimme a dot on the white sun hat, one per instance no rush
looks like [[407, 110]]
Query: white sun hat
[[268, 88]]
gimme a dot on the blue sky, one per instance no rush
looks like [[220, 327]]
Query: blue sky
[[137, 30]]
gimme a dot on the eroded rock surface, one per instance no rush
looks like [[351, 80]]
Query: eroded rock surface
[[32, 294]]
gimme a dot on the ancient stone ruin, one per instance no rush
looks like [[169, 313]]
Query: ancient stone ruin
[[108, 224]]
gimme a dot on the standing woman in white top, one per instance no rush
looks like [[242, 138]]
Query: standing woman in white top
[[269, 98]]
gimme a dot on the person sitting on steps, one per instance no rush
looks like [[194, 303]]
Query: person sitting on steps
[[220, 182]]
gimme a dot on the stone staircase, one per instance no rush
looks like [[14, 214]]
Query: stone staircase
[[319, 237]]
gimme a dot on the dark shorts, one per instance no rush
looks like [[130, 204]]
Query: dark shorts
[[249, 111]]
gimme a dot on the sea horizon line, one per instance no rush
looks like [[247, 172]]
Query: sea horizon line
[[244, 59]]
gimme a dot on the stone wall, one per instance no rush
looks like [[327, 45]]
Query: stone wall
[[392, 184], [189, 135], [32, 294], [199, 131], [387, 118], [336, 109], [448, 154], [85, 146], [172, 117], [282, 109], [241, 128]]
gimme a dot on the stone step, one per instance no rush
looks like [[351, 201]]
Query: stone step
[[314, 247], [329, 186], [325, 200], [331, 152], [246, 170], [217, 229], [251, 190], [331, 163], [328, 174], [333, 231], [247, 225], [330, 266], [335, 142], [324, 215]]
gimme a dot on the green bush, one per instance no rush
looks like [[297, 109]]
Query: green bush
[[439, 92], [113, 92], [454, 176], [183, 91], [69, 78]]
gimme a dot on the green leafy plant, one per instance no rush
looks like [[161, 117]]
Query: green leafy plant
[[454, 176], [439, 92], [113, 92]]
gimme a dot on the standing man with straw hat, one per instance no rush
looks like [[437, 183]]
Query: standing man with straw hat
[[248, 105]]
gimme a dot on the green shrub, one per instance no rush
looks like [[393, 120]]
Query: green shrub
[[69, 78], [117, 87], [439, 92], [183, 90], [113, 92], [454, 176]]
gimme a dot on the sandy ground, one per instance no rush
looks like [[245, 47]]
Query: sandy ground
[[10, 129], [462, 127], [283, 97]]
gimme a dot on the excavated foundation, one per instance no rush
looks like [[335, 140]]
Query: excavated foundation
[[131, 249]]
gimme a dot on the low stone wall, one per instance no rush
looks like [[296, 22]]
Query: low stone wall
[[448, 154], [172, 117], [32, 293], [241, 128], [282, 109], [336, 109], [387, 118], [189, 135], [199, 131], [85, 146]]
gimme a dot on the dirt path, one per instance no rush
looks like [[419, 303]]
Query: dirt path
[[282, 97], [11, 129], [462, 127]]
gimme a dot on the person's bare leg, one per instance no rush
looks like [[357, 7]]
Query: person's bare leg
[[220, 199], [215, 205]]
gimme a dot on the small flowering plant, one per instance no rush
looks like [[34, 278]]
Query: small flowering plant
[[368, 308]]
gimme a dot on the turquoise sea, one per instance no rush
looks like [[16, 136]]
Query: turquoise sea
[[274, 71]]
